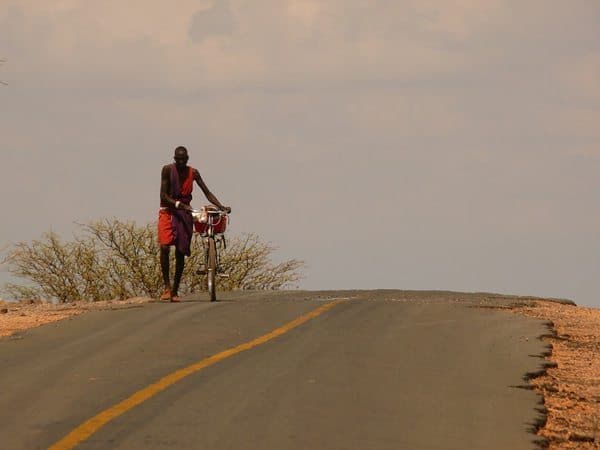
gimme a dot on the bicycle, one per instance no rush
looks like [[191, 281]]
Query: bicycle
[[211, 223]]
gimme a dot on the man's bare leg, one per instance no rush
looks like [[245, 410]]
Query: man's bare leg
[[179, 262], [164, 265]]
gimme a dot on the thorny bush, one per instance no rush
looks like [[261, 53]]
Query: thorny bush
[[114, 259]]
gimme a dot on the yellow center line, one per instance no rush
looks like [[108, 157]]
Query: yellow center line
[[90, 426]]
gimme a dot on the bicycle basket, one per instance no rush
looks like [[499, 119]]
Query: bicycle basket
[[219, 222]]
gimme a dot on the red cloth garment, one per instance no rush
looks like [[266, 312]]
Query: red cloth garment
[[187, 186], [175, 225], [165, 228]]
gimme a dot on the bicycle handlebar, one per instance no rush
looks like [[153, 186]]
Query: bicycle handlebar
[[210, 211]]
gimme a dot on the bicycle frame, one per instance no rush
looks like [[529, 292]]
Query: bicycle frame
[[211, 240]]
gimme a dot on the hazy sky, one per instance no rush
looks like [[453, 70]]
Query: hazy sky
[[390, 144]]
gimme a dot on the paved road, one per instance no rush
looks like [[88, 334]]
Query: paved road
[[381, 370]]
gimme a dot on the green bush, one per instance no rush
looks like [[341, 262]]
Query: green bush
[[114, 259]]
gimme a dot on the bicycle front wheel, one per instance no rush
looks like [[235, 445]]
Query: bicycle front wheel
[[211, 272]]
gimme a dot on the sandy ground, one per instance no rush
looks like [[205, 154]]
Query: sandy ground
[[570, 385], [16, 317]]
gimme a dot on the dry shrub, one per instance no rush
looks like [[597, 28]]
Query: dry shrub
[[114, 259]]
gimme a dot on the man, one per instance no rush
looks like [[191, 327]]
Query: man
[[175, 224]]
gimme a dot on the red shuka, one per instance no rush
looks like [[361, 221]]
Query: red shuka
[[173, 227]]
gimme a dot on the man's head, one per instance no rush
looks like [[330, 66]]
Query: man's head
[[181, 157]]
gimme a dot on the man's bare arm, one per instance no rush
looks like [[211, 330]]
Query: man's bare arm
[[209, 195]]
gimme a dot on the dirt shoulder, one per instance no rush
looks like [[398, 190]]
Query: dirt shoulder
[[19, 316], [571, 383]]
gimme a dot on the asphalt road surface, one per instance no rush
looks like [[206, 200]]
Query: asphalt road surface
[[378, 370]]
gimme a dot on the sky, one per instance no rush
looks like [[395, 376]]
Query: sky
[[402, 144]]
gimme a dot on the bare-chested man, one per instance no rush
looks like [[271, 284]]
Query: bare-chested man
[[174, 219]]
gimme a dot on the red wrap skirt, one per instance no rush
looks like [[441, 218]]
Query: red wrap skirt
[[166, 236]]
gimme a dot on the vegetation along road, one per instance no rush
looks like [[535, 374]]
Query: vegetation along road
[[276, 370]]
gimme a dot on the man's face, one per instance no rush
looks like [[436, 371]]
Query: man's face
[[181, 159]]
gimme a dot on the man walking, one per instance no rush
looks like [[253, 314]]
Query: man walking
[[175, 224]]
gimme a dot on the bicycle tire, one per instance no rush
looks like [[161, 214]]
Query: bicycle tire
[[211, 269]]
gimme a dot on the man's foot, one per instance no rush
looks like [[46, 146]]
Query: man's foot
[[166, 295], [175, 299]]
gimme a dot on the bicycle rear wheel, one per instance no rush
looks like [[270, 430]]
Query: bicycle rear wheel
[[211, 272]]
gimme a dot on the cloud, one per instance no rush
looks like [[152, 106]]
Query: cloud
[[213, 21], [233, 43], [269, 41]]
